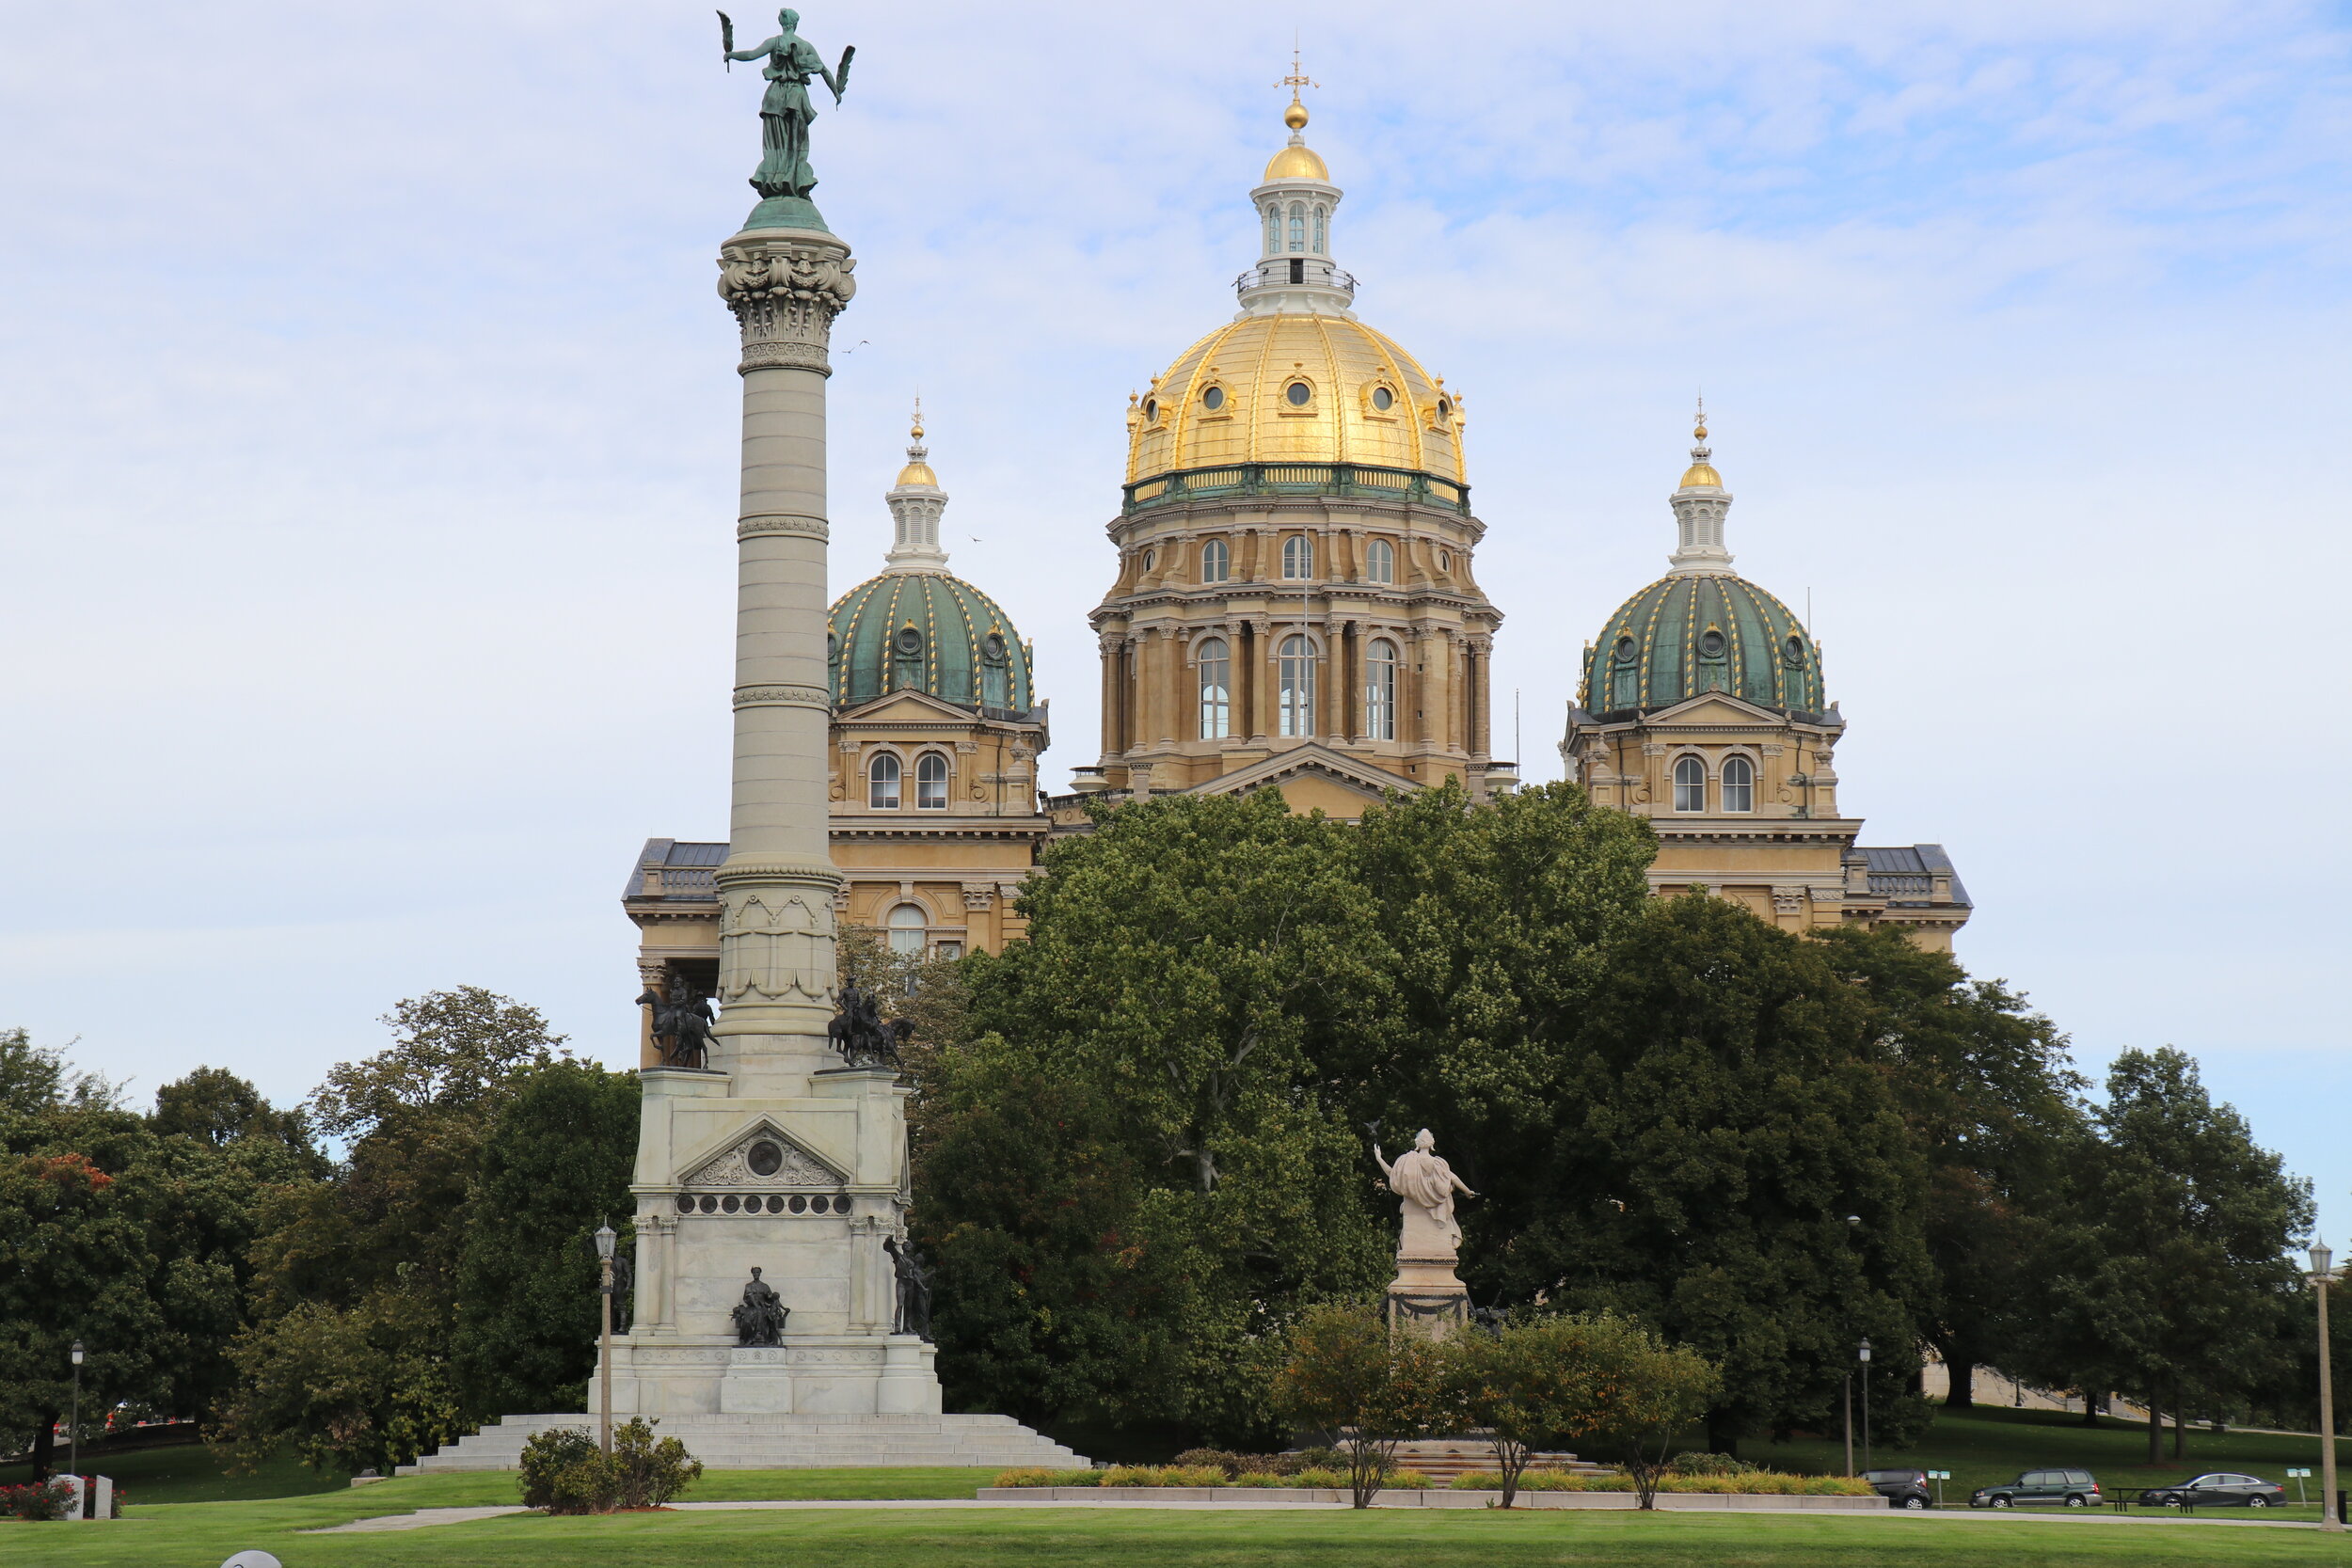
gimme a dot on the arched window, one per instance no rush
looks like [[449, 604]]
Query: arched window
[[931, 781], [906, 930], [1298, 557], [1217, 562], [1273, 229], [1379, 561], [1216, 689], [1380, 689], [881, 783], [1738, 784], [1318, 231], [1296, 676], [1690, 784], [1298, 226]]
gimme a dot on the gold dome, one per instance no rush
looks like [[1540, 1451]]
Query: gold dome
[[1295, 163], [917, 472], [1701, 473], [1248, 368]]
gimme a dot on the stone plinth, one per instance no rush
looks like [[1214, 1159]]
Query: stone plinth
[[1425, 1297]]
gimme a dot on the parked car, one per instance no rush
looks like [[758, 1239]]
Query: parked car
[[2059, 1488], [2221, 1489], [1901, 1488]]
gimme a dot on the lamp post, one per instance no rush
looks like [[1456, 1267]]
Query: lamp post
[[604, 1339], [1853, 1222], [1863, 1354], [2321, 1276], [73, 1433]]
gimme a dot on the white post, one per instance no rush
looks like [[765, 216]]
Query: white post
[[2328, 1517]]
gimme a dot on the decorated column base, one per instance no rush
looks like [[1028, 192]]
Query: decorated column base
[[1427, 1298]]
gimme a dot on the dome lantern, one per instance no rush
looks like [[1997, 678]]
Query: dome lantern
[[1294, 203], [1699, 507], [916, 504]]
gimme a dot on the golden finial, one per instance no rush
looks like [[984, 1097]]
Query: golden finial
[[1701, 472], [917, 431], [1296, 116]]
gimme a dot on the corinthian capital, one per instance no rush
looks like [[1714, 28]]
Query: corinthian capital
[[785, 290]]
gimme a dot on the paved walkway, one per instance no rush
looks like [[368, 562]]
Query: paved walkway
[[426, 1516]]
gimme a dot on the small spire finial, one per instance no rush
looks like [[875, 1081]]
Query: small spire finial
[[917, 431], [1698, 422], [1296, 116]]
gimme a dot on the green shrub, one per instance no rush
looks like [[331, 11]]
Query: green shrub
[[1260, 1477], [1079, 1477], [647, 1473], [1530, 1480], [1131, 1474], [1219, 1459], [1710, 1465], [1405, 1480], [1321, 1477], [564, 1472]]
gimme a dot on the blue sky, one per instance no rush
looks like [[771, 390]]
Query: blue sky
[[367, 454]]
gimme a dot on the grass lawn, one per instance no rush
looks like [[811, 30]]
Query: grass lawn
[[1993, 1442], [188, 1473], [202, 1535]]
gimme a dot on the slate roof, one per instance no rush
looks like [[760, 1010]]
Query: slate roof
[[1905, 873]]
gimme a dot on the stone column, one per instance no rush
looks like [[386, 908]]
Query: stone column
[[776, 888]]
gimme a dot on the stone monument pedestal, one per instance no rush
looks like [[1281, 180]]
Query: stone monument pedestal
[[1425, 1297]]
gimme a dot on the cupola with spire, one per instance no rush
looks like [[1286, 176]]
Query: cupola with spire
[[1699, 506], [916, 504], [1296, 203]]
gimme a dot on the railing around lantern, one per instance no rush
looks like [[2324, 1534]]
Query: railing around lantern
[[1279, 479], [1321, 275]]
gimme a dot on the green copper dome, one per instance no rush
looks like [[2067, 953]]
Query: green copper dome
[[926, 632], [1702, 632]]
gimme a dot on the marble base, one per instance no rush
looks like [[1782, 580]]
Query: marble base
[[832, 1374], [1425, 1297]]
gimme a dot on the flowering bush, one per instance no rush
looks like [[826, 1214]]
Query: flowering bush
[[40, 1499]]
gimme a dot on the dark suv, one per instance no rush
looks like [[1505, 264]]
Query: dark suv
[[2222, 1489], [2061, 1488], [1901, 1488]]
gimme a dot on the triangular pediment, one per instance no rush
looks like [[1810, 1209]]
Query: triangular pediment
[[1349, 773], [1715, 708], [905, 706], [762, 1156]]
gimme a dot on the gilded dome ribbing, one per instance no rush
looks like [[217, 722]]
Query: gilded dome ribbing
[[1695, 632], [1367, 402], [931, 632]]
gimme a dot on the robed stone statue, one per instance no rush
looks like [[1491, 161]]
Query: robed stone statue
[[760, 1318], [1427, 1186], [784, 111]]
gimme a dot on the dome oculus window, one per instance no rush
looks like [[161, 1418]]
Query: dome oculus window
[[1299, 394], [1379, 561], [1151, 408], [1382, 399], [931, 781], [1213, 398], [1445, 408], [1793, 650], [1217, 562], [1690, 784], [1710, 644], [1626, 649], [1298, 557], [910, 642], [992, 647], [1738, 784], [881, 783]]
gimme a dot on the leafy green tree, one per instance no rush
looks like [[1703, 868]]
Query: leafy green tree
[[1725, 1111], [1995, 1107], [1643, 1392], [1530, 1386], [556, 1164], [366, 1386], [217, 1108], [1187, 968], [2171, 1278], [1347, 1373]]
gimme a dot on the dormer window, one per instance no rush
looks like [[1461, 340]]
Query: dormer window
[[1383, 399], [1213, 398]]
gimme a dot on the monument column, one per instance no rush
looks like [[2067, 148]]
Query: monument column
[[784, 285]]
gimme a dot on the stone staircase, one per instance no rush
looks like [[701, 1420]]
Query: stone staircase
[[786, 1442]]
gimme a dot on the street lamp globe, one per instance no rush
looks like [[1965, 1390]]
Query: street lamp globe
[[2321, 1257], [603, 1243], [1863, 1354], [77, 1353]]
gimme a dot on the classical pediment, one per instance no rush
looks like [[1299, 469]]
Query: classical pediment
[[1320, 763], [1715, 708], [904, 707], [764, 1158]]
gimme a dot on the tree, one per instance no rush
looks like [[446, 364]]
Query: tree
[[1187, 967], [1349, 1375], [2171, 1278], [217, 1108], [555, 1165], [1726, 1109], [366, 1386], [1529, 1386], [1643, 1391], [1995, 1107]]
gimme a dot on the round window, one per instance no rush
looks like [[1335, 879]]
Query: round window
[[910, 642], [1445, 408], [1711, 645], [994, 647], [1383, 399], [765, 1158], [1151, 408], [1624, 649], [1796, 650], [1213, 398], [1298, 394]]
